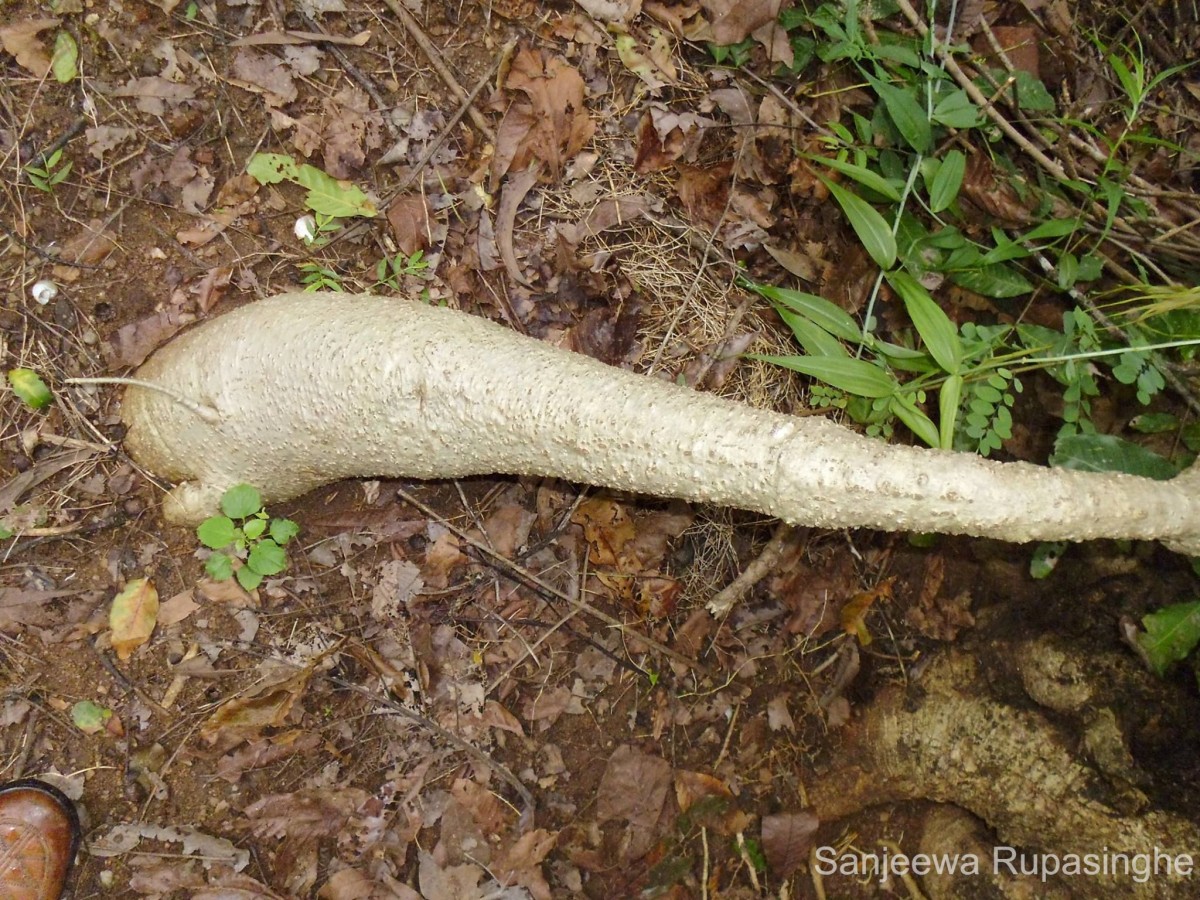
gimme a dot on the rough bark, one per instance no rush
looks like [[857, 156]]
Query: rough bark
[[1011, 766], [305, 389]]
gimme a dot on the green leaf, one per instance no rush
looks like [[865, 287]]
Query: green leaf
[[1052, 228], [827, 315], [90, 717], [937, 331], [948, 399], [948, 180], [996, 281], [241, 501], [272, 168], [906, 113], [330, 197], [1032, 95], [254, 529], [1171, 634], [65, 61], [283, 530], [1108, 453], [1154, 423], [1045, 557], [30, 388], [217, 532], [956, 110], [918, 423], [872, 181], [868, 224], [815, 340], [248, 578], [854, 376], [219, 567], [267, 558]]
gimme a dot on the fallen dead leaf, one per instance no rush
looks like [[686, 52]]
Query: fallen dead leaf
[[135, 341], [409, 216], [132, 618], [265, 705], [787, 839], [22, 41], [177, 608], [551, 125]]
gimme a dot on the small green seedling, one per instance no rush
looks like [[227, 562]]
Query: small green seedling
[[317, 277], [48, 174], [247, 533], [389, 272]]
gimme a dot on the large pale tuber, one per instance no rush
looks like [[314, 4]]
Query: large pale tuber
[[300, 390]]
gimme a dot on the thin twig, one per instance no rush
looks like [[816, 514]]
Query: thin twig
[[760, 568], [530, 579], [434, 55]]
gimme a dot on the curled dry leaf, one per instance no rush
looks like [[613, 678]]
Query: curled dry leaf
[[266, 705], [133, 616]]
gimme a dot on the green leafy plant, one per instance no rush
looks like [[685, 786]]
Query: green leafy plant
[[389, 272], [327, 196], [49, 174], [245, 532], [316, 277]]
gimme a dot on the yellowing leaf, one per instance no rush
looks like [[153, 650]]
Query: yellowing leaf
[[65, 62], [90, 717], [133, 616]]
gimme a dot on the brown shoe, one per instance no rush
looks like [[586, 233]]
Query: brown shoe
[[39, 835]]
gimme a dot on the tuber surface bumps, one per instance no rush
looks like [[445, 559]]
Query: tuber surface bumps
[[303, 389]]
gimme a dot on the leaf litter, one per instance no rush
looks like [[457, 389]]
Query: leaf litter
[[605, 129]]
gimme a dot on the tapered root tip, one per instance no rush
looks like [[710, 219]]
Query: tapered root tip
[[191, 502]]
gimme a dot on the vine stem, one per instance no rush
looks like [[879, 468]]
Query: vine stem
[[206, 413]]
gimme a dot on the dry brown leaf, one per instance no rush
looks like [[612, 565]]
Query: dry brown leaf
[[22, 41], [606, 527], [264, 752], [522, 862], [264, 74], [153, 93], [102, 139], [135, 341], [441, 557], [787, 839], [634, 787], [409, 216], [177, 608], [304, 816], [132, 618], [266, 705], [552, 126], [619, 11], [399, 582], [228, 591]]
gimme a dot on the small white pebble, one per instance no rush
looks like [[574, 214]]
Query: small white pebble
[[44, 291], [306, 228]]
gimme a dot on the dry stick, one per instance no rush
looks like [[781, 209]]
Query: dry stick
[[532, 580], [723, 602], [434, 55]]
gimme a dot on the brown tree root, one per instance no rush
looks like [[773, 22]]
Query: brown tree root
[[1014, 768]]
